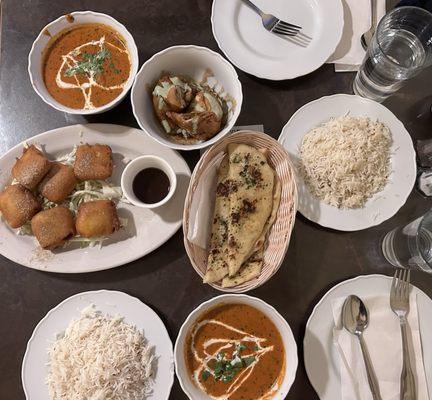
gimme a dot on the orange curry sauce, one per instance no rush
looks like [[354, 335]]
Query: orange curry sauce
[[224, 329], [78, 84]]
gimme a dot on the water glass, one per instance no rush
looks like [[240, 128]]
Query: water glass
[[400, 49], [410, 246]]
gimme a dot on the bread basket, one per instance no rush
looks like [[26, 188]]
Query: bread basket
[[280, 233]]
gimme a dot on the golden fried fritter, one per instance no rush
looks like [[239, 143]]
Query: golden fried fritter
[[93, 162], [58, 183], [53, 227], [97, 218], [18, 205], [30, 169]]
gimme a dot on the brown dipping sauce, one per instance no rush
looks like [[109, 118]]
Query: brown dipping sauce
[[86, 66], [151, 185], [264, 354]]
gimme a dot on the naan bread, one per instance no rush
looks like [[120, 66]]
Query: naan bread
[[246, 204], [252, 267], [217, 266], [250, 203], [250, 270]]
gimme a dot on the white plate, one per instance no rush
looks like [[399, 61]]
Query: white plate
[[382, 205], [321, 359], [35, 369], [146, 230], [241, 36], [291, 360]]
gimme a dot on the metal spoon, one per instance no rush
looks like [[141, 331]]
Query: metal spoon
[[355, 320], [366, 38]]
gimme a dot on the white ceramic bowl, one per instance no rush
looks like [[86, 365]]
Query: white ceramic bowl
[[291, 360], [35, 58], [195, 62], [138, 164]]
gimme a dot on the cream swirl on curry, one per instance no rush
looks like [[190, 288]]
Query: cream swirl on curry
[[235, 352], [87, 66]]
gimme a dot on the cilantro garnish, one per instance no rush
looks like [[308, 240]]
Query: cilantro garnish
[[205, 375], [225, 369], [92, 64]]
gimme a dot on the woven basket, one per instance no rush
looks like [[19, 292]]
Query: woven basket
[[280, 233]]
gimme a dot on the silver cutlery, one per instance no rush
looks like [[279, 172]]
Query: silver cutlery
[[355, 319], [274, 24], [366, 38], [399, 303]]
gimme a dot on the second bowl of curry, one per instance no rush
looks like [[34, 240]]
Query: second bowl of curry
[[235, 347], [83, 63]]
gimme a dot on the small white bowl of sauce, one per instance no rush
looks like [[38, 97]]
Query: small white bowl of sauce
[[83, 63], [148, 181]]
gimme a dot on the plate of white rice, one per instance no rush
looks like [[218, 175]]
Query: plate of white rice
[[355, 161], [99, 345]]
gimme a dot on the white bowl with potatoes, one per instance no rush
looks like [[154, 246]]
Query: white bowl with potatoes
[[186, 97]]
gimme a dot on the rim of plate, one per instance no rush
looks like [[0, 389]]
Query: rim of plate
[[403, 199], [58, 106], [275, 76], [290, 374], [221, 133], [91, 292], [323, 298], [115, 264]]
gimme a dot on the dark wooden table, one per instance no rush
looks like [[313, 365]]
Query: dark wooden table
[[317, 258]]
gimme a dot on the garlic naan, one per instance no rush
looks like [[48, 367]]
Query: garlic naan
[[217, 266], [252, 267], [250, 204], [247, 200]]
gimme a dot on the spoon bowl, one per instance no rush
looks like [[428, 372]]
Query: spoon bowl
[[355, 317]]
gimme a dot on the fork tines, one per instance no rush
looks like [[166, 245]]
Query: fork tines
[[285, 28], [401, 283]]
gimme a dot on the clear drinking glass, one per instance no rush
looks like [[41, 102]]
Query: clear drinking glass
[[400, 48], [410, 246]]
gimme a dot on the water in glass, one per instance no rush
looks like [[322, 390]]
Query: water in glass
[[410, 246], [400, 48], [382, 74]]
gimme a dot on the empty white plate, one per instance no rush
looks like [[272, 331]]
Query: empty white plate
[[382, 205], [35, 368], [241, 36]]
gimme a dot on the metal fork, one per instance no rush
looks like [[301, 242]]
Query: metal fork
[[399, 303], [274, 24]]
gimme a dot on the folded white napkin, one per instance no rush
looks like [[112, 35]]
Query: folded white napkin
[[384, 343], [357, 20], [202, 205]]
